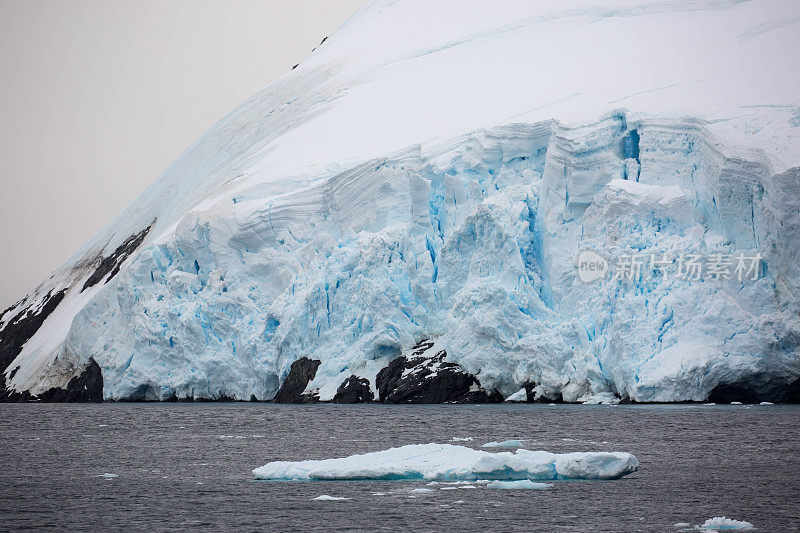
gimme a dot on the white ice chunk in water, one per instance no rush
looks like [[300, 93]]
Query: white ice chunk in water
[[519, 484], [449, 462], [327, 498], [722, 523], [109, 475], [519, 396], [503, 444]]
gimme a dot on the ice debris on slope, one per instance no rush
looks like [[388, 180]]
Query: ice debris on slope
[[267, 241], [448, 462]]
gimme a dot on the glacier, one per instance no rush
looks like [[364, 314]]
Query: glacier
[[430, 174]]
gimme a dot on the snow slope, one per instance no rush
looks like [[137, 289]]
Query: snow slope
[[434, 170]]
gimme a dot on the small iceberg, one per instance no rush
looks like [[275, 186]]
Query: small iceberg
[[109, 475], [519, 484], [450, 462], [503, 444], [518, 397], [327, 498], [722, 523]]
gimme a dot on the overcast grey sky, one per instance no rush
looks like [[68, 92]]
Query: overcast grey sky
[[97, 97]]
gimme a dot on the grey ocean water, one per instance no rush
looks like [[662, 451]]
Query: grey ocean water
[[187, 467]]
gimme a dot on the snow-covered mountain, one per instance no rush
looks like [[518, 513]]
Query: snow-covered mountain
[[508, 195]]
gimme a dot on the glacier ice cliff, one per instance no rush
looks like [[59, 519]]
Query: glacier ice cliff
[[336, 219]]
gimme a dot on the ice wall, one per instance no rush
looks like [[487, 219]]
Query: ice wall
[[472, 241]]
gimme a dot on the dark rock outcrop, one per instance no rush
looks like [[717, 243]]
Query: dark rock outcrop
[[425, 377], [354, 390], [300, 374], [16, 330], [547, 397], [109, 266], [87, 387], [755, 390]]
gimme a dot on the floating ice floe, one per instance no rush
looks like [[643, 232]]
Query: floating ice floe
[[519, 484], [448, 462], [722, 523], [462, 439], [327, 498], [503, 444], [716, 524], [109, 475]]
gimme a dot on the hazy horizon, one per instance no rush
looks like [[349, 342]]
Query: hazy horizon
[[101, 96]]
